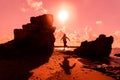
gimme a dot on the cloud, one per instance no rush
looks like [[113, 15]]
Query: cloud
[[37, 5], [33, 5], [24, 9], [89, 35], [99, 22], [116, 36], [76, 37]]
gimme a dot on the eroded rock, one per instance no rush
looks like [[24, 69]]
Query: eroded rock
[[98, 49], [35, 38]]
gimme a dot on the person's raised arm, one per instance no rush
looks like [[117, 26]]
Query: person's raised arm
[[68, 38]]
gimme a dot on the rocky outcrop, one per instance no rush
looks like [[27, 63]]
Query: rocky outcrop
[[98, 49], [35, 38]]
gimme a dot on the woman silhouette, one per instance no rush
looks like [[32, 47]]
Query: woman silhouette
[[64, 38]]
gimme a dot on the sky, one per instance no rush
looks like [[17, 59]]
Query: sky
[[86, 18]]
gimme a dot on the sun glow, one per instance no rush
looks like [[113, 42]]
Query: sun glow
[[63, 15]]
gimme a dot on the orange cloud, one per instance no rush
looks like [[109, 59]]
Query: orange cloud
[[116, 36], [24, 9], [99, 22], [33, 5]]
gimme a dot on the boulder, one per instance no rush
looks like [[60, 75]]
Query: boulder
[[97, 49]]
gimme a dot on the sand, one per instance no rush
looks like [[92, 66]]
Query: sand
[[53, 71]]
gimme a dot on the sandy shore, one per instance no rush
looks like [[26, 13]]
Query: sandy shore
[[53, 71]]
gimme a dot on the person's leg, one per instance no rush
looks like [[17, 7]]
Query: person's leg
[[64, 45]]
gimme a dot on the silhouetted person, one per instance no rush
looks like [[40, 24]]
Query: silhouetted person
[[64, 38], [65, 65]]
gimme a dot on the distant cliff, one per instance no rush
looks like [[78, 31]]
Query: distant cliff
[[35, 38]]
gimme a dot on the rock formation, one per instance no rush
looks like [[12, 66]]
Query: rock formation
[[35, 38], [98, 49]]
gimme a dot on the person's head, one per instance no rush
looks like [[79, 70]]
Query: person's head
[[64, 34]]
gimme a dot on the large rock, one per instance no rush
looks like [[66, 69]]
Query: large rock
[[35, 38], [98, 49]]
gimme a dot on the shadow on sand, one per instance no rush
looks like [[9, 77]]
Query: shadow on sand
[[19, 69], [65, 65]]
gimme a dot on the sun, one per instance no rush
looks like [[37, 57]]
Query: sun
[[63, 15]]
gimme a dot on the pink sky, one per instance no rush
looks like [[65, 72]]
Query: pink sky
[[86, 17]]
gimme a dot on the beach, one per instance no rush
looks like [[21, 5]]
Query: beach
[[31, 68], [53, 71]]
